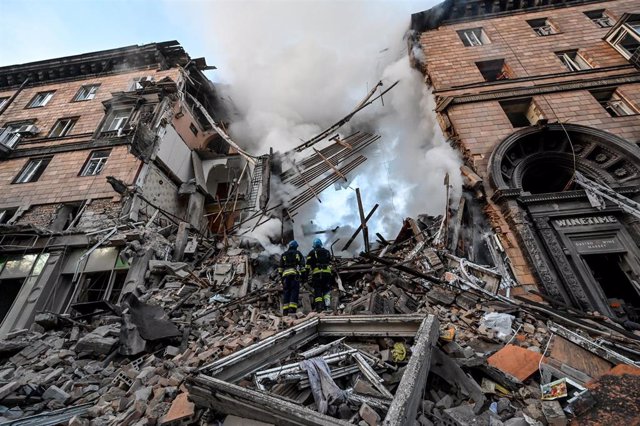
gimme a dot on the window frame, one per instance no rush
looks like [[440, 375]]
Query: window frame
[[29, 176], [4, 100], [101, 163], [134, 83], [112, 116], [627, 29], [603, 17], [574, 62], [71, 122], [90, 93], [614, 103], [480, 38], [546, 24], [48, 95]]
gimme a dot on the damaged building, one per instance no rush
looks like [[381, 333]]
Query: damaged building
[[91, 144], [542, 98]]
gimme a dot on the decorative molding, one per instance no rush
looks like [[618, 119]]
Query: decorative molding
[[559, 258], [69, 147], [602, 82]]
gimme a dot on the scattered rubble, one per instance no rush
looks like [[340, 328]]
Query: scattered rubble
[[415, 336]]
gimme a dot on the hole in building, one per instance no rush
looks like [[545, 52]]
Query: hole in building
[[493, 70], [10, 290], [547, 175], [608, 271], [521, 112]]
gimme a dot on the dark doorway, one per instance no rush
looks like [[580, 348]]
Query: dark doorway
[[607, 270], [10, 290]]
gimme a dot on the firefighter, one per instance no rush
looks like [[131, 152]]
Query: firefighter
[[291, 266], [319, 265]]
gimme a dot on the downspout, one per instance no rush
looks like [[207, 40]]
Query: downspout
[[14, 96]]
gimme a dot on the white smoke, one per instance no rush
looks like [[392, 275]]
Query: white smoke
[[294, 68]]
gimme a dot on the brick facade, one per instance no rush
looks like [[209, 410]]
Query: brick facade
[[477, 124]]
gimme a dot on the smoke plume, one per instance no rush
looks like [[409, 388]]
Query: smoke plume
[[294, 68]]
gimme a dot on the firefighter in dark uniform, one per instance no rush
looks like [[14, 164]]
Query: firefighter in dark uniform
[[319, 265], [291, 267]]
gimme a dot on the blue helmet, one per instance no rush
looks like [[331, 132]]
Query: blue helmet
[[317, 243], [293, 244]]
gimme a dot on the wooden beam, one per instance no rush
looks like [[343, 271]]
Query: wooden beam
[[334, 168], [355, 234], [363, 222]]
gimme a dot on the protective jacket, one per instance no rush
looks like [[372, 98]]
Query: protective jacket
[[291, 262], [319, 260]]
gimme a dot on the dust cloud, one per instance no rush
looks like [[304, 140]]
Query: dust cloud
[[294, 68]]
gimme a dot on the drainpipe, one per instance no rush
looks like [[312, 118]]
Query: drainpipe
[[13, 97]]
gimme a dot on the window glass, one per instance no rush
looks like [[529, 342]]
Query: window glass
[[95, 163], [33, 170], [41, 99], [62, 127]]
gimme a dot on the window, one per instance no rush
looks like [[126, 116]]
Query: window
[[473, 37], [86, 92], [3, 101], [33, 170], [116, 120], [493, 70], [139, 83], [626, 38], [599, 18], [572, 60], [10, 135], [613, 103], [95, 163], [7, 214], [41, 99], [542, 27], [193, 129], [521, 112], [62, 127]]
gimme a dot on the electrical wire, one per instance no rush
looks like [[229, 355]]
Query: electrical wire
[[573, 152]]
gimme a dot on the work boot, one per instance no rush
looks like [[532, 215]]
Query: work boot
[[285, 312], [319, 306]]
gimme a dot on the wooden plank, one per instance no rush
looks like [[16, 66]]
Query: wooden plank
[[363, 222], [578, 358]]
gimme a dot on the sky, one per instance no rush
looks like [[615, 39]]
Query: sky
[[33, 30]]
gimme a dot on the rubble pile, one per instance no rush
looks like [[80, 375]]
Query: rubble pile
[[414, 333]]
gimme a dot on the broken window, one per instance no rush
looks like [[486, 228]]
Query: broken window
[[599, 18], [613, 103], [10, 135], [626, 39], [95, 163], [572, 60], [193, 129], [62, 127], [542, 27], [139, 83], [493, 70], [521, 112], [7, 214], [33, 170], [116, 120], [102, 275], [473, 37], [15, 270], [41, 99], [87, 92]]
